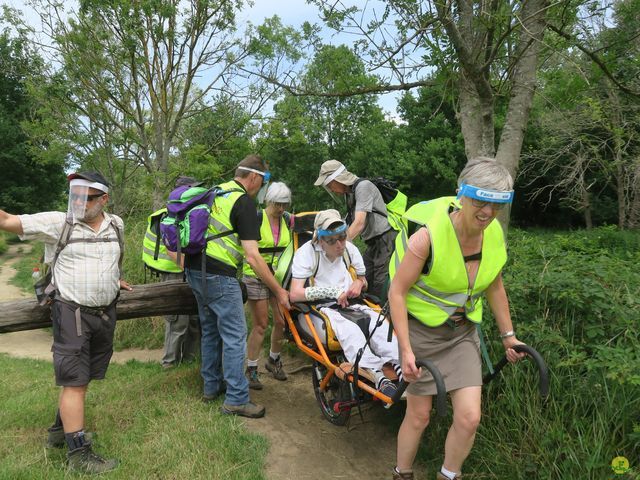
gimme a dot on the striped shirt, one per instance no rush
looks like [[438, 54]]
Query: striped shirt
[[85, 273]]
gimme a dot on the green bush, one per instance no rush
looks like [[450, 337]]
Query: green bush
[[575, 297], [3, 243]]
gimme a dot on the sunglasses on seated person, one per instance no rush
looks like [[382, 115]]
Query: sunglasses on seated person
[[85, 198], [335, 239]]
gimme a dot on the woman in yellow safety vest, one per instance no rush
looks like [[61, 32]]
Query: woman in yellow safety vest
[[439, 275], [275, 235]]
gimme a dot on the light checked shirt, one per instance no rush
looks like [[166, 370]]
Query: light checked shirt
[[85, 273]]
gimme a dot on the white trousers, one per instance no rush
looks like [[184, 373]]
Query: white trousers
[[352, 339]]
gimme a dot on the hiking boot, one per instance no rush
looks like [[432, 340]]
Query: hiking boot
[[275, 367], [83, 460], [254, 378], [402, 474], [210, 398], [55, 437], [249, 410], [388, 388], [440, 476]]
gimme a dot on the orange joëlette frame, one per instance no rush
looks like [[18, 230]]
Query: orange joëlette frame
[[322, 357]]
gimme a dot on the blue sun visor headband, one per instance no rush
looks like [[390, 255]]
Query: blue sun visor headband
[[485, 194], [266, 176], [329, 233]]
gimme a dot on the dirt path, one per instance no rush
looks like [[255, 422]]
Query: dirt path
[[303, 445]]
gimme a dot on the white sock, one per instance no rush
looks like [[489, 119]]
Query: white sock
[[398, 370], [447, 473], [274, 356], [252, 363], [379, 377]]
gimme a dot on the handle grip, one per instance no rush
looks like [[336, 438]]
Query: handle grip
[[543, 386], [441, 396]]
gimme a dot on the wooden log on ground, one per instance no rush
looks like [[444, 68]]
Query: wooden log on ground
[[164, 298]]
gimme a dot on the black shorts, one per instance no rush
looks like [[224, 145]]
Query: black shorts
[[81, 347]]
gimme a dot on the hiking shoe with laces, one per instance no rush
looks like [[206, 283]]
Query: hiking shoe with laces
[[402, 474], [254, 378], [84, 460], [55, 437], [276, 369], [388, 388], [249, 410]]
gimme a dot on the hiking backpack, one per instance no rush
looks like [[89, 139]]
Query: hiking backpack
[[394, 200], [184, 228]]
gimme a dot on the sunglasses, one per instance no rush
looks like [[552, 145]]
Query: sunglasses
[[335, 239], [86, 198], [481, 204]]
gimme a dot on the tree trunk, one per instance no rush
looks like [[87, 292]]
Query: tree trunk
[[165, 298], [523, 84]]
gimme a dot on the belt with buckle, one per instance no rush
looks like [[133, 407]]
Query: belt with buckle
[[455, 323]]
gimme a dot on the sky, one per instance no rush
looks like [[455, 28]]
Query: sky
[[291, 12]]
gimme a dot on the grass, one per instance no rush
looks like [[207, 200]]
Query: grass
[[150, 419]]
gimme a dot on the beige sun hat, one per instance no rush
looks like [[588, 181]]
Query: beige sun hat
[[334, 170], [326, 218]]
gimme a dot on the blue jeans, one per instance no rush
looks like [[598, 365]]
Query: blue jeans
[[224, 335]]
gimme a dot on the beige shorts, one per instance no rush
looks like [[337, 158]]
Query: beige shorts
[[455, 351], [256, 289]]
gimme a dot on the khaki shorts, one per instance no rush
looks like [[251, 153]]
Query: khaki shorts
[[455, 351], [256, 289], [81, 349]]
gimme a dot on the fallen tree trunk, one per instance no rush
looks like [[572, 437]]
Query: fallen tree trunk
[[165, 298]]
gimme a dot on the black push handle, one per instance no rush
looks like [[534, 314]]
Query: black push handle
[[537, 358], [441, 395]]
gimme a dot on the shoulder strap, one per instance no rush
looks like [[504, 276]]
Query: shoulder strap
[[260, 215], [63, 241], [120, 236]]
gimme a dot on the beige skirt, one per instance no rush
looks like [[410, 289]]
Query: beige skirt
[[455, 351]]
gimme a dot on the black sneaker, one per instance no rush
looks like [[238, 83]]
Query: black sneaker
[[254, 378], [276, 369]]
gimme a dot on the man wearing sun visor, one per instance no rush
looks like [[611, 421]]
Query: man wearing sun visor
[[220, 307], [366, 216], [86, 279]]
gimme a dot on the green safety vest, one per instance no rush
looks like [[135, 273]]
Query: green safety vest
[[154, 252], [445, 289], [226, 249], [266, 245]]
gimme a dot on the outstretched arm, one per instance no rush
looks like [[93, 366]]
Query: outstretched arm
[[10, 223]]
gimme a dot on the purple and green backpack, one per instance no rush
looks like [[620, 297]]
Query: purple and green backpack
[[184, 229]]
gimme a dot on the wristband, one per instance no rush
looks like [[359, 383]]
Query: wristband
[[508, 334]]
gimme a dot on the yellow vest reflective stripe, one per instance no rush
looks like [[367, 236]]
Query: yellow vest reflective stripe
[[267, 241], [226, 249], [164, 263], [445, 289]]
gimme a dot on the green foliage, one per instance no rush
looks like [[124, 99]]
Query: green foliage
[[25, 179], [150, 419], [3, 243]]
